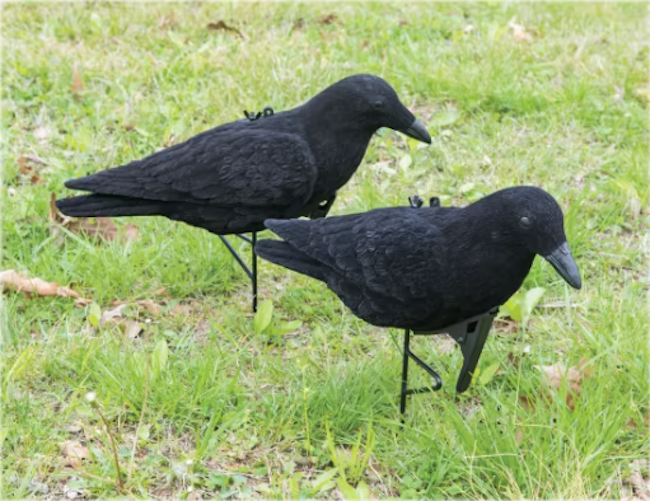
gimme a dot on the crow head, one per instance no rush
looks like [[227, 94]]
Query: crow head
[[531, 217], [368, 102]]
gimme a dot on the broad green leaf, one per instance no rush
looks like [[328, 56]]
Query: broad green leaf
[[346, 489], [514, 308], [322, 480], [94, 314], [288, 327], [144, 432], [363, 490], [488, 373], [263, 316], [159, 357], [238, 479], [412, 143], [531, 299]]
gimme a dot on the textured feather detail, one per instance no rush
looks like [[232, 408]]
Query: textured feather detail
[[283, 254]]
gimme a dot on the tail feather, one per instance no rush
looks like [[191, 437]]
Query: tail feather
[[108, 206], [282, 253]]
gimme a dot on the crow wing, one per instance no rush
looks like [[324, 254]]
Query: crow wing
[[244, 167], [395, 253]]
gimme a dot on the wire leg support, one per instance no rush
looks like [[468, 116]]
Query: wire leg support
[[252, 274], [408, 354], [254, 277]]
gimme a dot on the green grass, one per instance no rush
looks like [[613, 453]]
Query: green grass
[[566, 111]]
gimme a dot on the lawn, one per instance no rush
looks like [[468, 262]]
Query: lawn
[[200, 400]]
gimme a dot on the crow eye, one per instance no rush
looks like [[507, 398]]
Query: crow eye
[[525, 222], [379, 104]]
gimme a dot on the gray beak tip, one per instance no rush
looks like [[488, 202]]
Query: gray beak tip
[[417, 131], [565, 265]]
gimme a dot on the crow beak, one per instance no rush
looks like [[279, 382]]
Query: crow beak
[[417, 131], [565, 265]]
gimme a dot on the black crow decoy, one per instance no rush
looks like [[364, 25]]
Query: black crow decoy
[[430, 270], [229, 179]]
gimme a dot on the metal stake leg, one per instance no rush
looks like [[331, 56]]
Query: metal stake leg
[[254, 277], [405, 373]]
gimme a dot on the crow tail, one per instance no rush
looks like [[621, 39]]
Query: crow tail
[[282, 253], [109, 206]]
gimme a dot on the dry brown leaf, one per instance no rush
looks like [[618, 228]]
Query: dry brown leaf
[[112, 315], [74, 452], [151, 306], [132, 329], [639, 479], [77, 83], [101, 227], [186, 308], [12, 280], [328, 19], [299, 24], [526, 403], [131, 232], [27, 170], [519, 32], [558, 372], [506, 325], [221, 25]]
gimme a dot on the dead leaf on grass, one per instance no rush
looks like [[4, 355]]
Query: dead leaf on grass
[[12, 280], [112, 315], [27, 169], [77, 83], [328, 19], [186, 308], [575, 376], [299, 24], [221, 25], [151, 306], [526, 403], [74, 452], [101, 227], [519, 32], [506, 325], [639, 479], [132, 329]]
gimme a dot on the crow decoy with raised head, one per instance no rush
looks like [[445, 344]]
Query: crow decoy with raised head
[[229, 179]]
